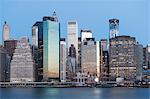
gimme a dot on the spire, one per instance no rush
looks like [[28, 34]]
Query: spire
[[55, 16], [5, 22]]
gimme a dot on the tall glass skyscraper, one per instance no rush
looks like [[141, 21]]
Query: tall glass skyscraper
[[51, 36]]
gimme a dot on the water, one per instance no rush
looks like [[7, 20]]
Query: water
[[74, 93]]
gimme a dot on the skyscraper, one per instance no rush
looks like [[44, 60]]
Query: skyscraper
[[3, 64], [37, 48], [85, 33], [89, 57], [22, 66], [10, 46], [73, 36], [51, 46], [63, 59], [125, 58], [6, 31], [113, 28], [104, 59]]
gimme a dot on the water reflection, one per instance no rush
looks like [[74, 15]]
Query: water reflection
[[74, 93]]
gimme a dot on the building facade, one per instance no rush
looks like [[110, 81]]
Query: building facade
[[113, 28], [123, 59], [63, 59], [51, 46], [22, 66]]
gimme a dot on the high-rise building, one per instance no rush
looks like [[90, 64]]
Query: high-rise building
[[125, 58], [37, 34], [22, 66], [6, 31], [72, 59], [79, 55], [73, 36], [37, 48], [113, 28], [85, 33], [51, 46], [89, 57], [10, 46], [146, 58], [104, 59], [3, 64], [63, 59]]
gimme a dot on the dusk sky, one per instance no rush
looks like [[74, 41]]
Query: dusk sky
[[134, 16]]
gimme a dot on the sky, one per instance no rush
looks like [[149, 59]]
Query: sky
[[134, 16]]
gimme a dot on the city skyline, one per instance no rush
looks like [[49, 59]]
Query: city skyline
[[84, 16]]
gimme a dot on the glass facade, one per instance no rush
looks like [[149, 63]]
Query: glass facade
[[51, 36]]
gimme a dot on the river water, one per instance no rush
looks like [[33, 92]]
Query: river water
[[74, 93]]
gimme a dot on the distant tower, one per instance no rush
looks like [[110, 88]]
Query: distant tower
[[6, 30], [113, 28], [73, 36]]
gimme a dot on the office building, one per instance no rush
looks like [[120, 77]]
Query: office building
[[63, 59], [113, 28], [51, 46], [104, 60], [146, 58], [22, 66], [89, 57], [78, 69], [85, 33], [72, 59], [37, 48], [73, 36], [6, 31], [3, 64], [125, 58]]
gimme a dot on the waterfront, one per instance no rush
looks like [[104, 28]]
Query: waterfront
[[75, 93]]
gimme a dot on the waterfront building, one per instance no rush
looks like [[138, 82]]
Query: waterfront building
[[51, 46], [85, 33], [63, 59], [10, 46], [22, 66], [104, 59], [72, 28], [78, 69], [4, 61], [125, 58], [72, 59], [89, 57], [37, 48], [146, 57], [113, 28], [6, 31]]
